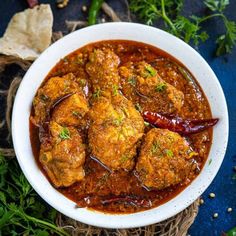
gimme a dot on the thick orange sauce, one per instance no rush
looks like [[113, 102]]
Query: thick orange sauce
[[100, 182]]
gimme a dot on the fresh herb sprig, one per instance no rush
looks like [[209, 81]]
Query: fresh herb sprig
[[188, 29], [22, 212]]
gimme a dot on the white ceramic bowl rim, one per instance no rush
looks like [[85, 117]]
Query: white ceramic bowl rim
[[127, 31]]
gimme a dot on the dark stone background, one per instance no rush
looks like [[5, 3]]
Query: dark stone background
[[225, 68]]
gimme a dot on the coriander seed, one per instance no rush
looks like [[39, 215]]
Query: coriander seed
[[229, 209], [212, 195]]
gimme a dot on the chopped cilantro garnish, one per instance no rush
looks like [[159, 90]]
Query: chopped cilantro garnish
[[115, 90], [132, 81], [44, 97], [138, 107], [155, 147], [124, 158], [151, 71], [65, 60], [169, 153], [161, 87], [118, 121], [75, 113], [97, 93], [64, 134], [82, 82], [209, 161]]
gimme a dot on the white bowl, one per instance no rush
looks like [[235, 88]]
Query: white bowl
[[127, 31]]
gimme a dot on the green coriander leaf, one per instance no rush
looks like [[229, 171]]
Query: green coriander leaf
[[115, 90], [64, 134], [83, 82], [44, 98], [227, 41], [223, 4], [161, 87], [210, 161], [97, 93], [3, 198], [150, 70], [155, 147], [5, 218], [138, 107], [132, 81], [124, 158], [52, 215], [40, 232], [169, 153], [118, 121], [213, 5], [148, 10], [216, 5], [75, 113], [190, 30]]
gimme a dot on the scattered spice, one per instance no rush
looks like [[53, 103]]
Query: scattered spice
[[229, 209], [201, 201], [84, 8], [103, 20], [212, 195], [62, 3]]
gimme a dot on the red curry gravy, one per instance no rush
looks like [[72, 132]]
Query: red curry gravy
[[100, 182]]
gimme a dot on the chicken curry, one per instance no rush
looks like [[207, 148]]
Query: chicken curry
[[120, 127]]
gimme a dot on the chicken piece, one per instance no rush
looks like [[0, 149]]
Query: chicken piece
[[71, 111], [62, 155], [115, 130], [103, 71], [154, 93], [50, 92], [165, 159]]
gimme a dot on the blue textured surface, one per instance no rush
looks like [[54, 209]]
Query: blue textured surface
[[225, 68]]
